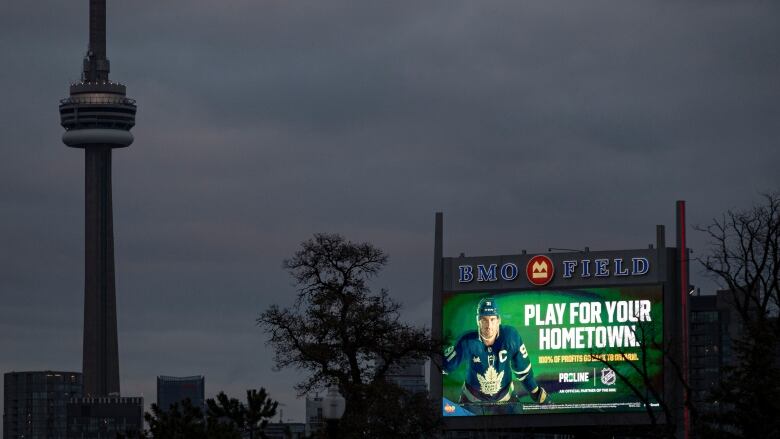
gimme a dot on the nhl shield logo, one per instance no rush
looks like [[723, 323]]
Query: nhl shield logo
[[539, 270], [608, 376]]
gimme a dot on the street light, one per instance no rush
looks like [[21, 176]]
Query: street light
[[333, 406]]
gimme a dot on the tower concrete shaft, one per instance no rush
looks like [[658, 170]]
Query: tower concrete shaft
[[98, 117], [101, 344]]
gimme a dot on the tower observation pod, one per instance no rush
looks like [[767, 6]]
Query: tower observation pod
[[97, 114], [97, 117]]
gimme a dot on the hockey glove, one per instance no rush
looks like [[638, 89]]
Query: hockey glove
[[539, 395]]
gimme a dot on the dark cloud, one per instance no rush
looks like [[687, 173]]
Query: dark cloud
[[530, 124]]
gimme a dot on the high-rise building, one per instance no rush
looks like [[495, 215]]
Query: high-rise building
[[314, 420], [34, 403], [97, 118], [104, 417], [409, 375], [172, 390], [714, 326]]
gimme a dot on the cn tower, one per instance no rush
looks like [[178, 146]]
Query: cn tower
[[97, 118]]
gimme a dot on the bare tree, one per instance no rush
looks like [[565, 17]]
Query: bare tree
[[744, 259], [342, 333]]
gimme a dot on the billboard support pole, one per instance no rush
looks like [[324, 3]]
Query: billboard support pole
[[682, 260], [436, 305]]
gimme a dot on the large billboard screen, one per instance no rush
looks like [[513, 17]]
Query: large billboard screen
[[552, 351]]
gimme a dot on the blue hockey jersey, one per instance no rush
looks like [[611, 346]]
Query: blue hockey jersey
[[491, 368]]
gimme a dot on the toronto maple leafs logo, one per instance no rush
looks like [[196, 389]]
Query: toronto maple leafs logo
[[490, 382]]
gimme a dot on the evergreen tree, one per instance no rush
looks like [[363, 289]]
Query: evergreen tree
[[250, 418]]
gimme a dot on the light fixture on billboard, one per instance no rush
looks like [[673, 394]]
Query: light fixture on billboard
[[555, 249]]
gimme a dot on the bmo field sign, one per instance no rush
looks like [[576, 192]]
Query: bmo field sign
[[573, 338]]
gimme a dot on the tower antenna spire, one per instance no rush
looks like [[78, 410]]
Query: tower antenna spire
[[96, 65]]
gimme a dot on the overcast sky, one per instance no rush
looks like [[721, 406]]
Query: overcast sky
[[529, 124]]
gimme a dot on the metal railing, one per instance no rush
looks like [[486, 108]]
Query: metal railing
[[97, 100]]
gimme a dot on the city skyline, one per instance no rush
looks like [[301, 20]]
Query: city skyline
[[530, 126]]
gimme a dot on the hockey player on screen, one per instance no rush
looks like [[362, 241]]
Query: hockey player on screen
[[493, 355]]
